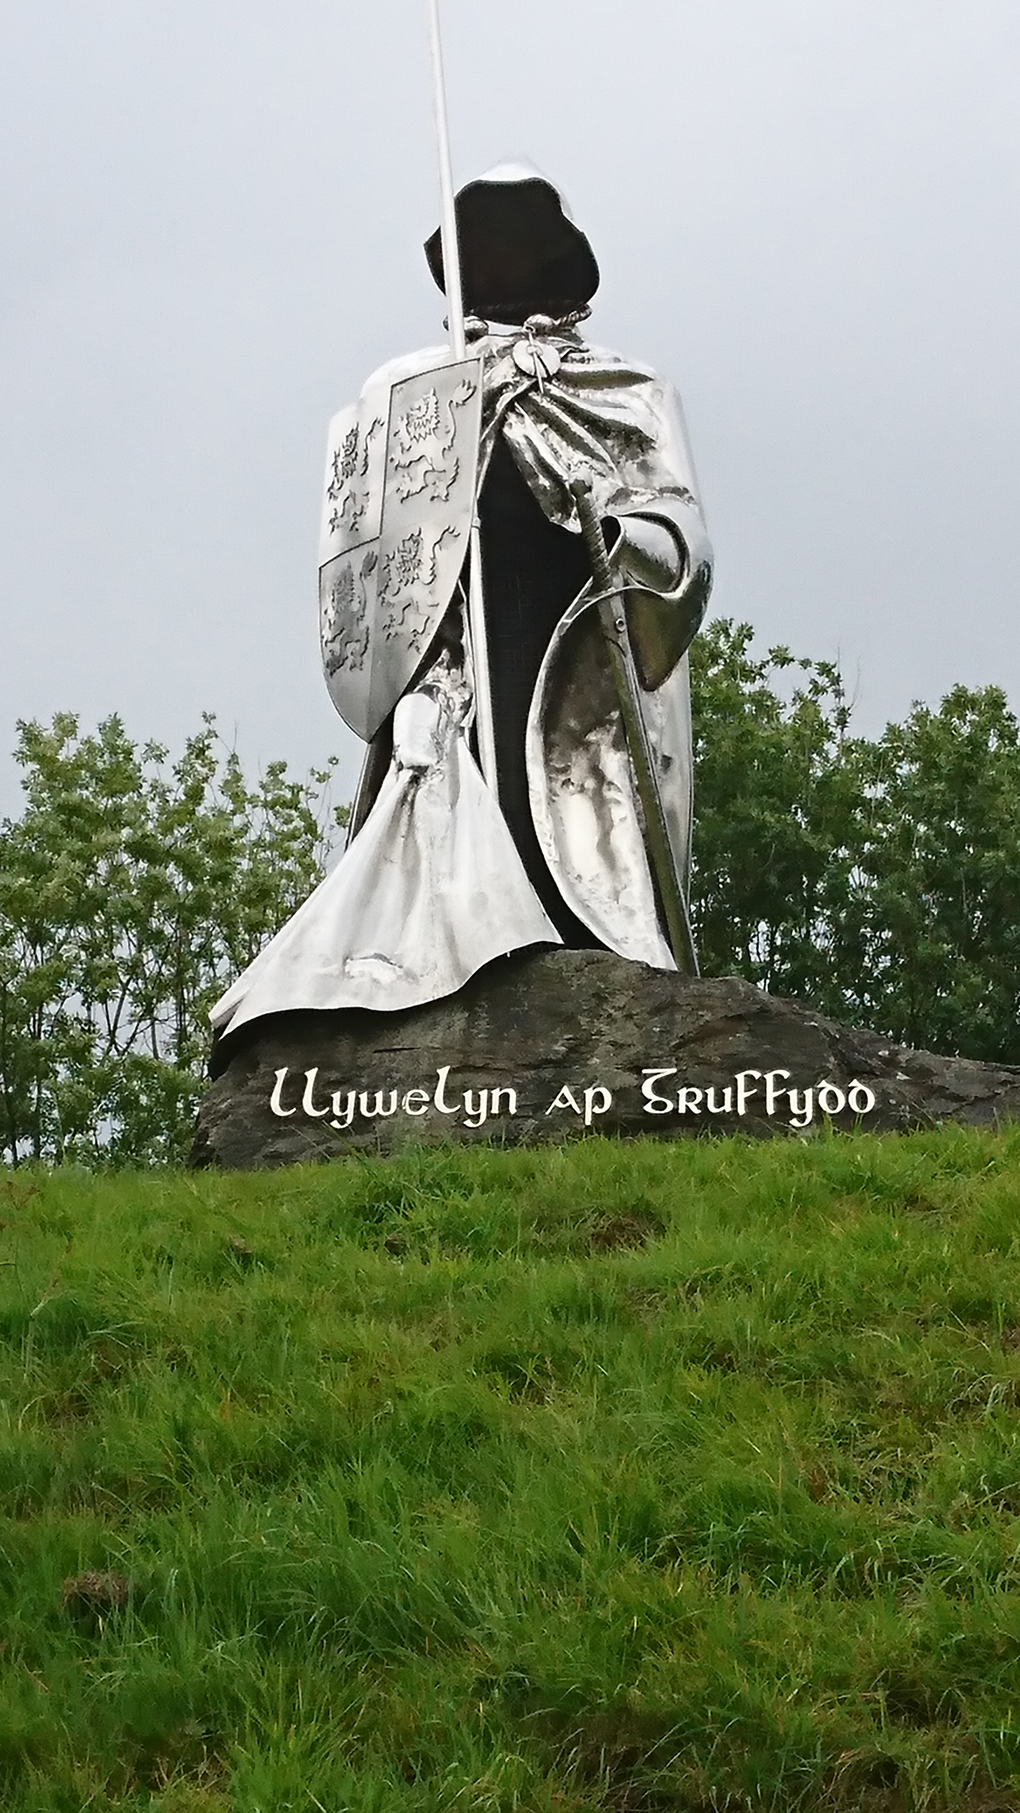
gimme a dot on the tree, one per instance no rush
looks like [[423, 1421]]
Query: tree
[[130, 893], [943, 877], [874, 880], [778, 818]]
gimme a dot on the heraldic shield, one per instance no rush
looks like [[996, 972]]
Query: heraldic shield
[[400, 487]]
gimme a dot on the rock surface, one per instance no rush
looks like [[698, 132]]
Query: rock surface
[[548, 1045]]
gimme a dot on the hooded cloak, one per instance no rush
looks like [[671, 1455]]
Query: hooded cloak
[[438, 878]]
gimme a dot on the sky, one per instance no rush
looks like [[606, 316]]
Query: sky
[[211, 221]]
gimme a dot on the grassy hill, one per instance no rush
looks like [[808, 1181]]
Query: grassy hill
[[626, 1477]]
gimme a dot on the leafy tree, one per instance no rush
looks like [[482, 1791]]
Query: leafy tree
[[875, 880], [778, 818], [942, 863], [131, 891]]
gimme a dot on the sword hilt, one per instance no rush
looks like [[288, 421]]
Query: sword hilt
[[591, 529]]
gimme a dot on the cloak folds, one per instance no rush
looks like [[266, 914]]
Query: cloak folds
[[438, 878]]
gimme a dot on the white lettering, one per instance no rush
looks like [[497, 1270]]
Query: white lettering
[[377, 1109], [308, 1099], [831, 1100], [565, 1099], [342, 1117], [654, 1102], [772, 1093], [476, 1112], [744, 1093], [479, 1105], [439, 1098], [597, 1100], [802, 1107], [276, 1099]]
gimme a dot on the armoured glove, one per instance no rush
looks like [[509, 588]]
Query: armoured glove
[[648, 552]]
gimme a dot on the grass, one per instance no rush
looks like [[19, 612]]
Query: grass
[[628, 1477]]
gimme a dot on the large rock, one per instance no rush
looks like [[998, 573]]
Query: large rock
[[548, 1045]]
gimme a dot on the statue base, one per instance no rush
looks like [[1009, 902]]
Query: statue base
[[548, 1045]]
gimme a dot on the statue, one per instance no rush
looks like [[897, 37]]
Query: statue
[[480, 631]]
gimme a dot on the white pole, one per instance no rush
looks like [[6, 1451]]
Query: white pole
[[458, 350], [451, 247]]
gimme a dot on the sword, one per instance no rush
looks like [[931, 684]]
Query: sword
[[612, 616], [458, 350]]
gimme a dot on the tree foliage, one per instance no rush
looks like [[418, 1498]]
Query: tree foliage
[[131, 891], [776, 801], [875, 880]]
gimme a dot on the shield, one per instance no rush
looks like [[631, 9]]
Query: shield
[[400, 486]]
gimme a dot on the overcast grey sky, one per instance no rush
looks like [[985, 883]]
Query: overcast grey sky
[[806, 213]]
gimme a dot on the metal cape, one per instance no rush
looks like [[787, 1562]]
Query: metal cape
[[622, 426]]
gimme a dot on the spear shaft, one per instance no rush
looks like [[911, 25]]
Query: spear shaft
[[454, 286], [448, 230]]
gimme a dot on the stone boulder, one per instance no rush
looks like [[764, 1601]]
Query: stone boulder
[[548, 1045]]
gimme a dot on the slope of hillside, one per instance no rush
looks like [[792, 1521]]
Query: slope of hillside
[[628, 1477]]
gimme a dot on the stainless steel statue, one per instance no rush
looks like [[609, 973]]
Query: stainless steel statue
[[502, 802]]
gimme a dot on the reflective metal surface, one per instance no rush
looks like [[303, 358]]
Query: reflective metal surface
[[431, 885], [400, 486], [622, 427], [430, 890], [584, 801], [610, 603]]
